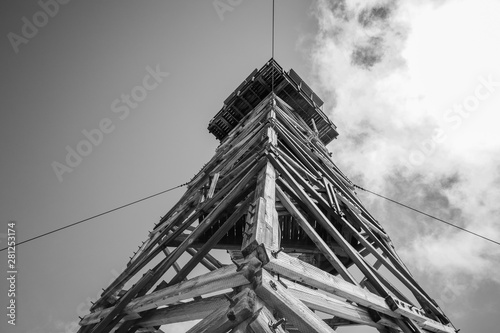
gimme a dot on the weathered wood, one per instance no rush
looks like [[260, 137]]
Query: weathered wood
[[327, 303], [187, 268], [103, 326], [208, 265], [270, 141], [298, 270], [239, 150], [297, 166], [213, 185], [176, 265], [221, 279], [293, 310], [317, 164], [262, 320], [194, 310], [325, 223], [150, 253], [315, 129], [299, 153], [301, 138], [309, 230], [243, 327], [260, 225], [139, 262], [400, 274], [229, 199], [226, 318]]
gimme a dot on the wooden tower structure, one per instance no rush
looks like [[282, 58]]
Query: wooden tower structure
[[301, 252]]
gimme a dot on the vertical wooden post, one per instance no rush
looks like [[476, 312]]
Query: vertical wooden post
[[262, 221]]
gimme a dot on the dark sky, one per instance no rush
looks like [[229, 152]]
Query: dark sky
[[389, 77]]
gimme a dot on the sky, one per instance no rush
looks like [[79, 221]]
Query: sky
[[413, 87]]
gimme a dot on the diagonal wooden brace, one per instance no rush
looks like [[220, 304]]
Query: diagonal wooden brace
[[274, 294], [226, 318]]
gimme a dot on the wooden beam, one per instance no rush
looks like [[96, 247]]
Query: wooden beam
[[243, 185], [262, 225], [151, 252], [176, 265], [298, 270], [226, 318], [103, 326], [243, 327], [221, 279], [297, 248], [327, 303], [400, 274], [208, 265], [299, 153], [326, 224], [313, 235], [193, 310], [263, 318], [230, 222], [213, 184], [293, 310]]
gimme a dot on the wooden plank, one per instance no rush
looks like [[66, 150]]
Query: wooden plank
[[216, 263], [309, 230], [293, 310], [299, 153], [208, 265], [226, 318], [240, 134], [317, 163], [290, 126], [231, 198], [298, 166], [150, 253], [243, 327], [297, 248], [327, 303], [176, 265], [193, 310], [139, 262], [262, 320], [400, 274], [103, 327], [261, 226], [314, 128], [228, 224], [298, 270], [325, 223], [417, 315], [221, 279], [332, 195], [240, 148], [290, 157], [213, 185]]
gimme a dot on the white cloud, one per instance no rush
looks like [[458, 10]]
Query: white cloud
[[395, 72]]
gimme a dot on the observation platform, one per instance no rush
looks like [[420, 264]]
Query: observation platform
[[257, 86]]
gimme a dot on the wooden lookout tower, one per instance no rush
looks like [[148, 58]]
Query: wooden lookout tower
[[269, 236]]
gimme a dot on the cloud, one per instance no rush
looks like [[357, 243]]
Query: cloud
[[70, 327], [414, 125]]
